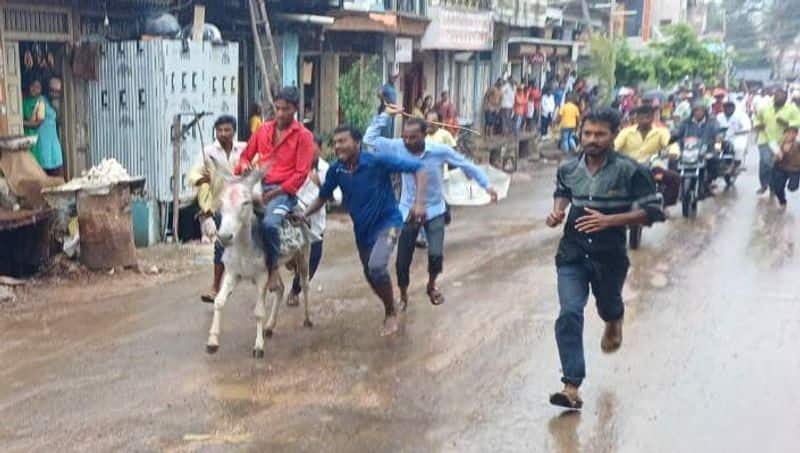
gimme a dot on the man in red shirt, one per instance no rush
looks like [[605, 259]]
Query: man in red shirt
[[286, 148]]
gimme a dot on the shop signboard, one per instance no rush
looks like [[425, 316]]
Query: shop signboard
[[453, 29]]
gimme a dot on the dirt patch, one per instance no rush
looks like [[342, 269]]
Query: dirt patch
[[68, 280]]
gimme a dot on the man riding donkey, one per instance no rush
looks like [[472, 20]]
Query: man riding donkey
[[286, 149], [433, 157]]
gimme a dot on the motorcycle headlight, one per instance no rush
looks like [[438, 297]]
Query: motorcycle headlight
[[690, 155], [718, 146]]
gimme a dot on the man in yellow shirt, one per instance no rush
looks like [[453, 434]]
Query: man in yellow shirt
[[437, 134], [771, 123], [643, 140], [569, 115]]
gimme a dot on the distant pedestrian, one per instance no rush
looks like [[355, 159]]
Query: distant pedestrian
[[771, 123], [255, 120], [534, 97], [606, 192], [548, 110], [559, 94], [388, 95], [520, 106], [507, 106], [447, 112], [418, 111], [787, 166], [568, 115], [491, 108]]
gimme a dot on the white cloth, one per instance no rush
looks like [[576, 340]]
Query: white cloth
[[548, 104], [570, 84], [508, 96], [216, 151], [308, 193], [738, 126]]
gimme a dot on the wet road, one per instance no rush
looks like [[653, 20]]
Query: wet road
[[709, 361]]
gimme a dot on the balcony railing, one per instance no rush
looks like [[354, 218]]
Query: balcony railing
[[416, 7]]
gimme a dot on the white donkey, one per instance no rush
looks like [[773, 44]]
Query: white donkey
[[244, 259]]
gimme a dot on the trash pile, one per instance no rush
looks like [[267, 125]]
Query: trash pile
[[106, 173]]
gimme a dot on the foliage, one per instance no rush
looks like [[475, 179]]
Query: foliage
[[632, 68], [357, 92], [681, 55], [602, 65]]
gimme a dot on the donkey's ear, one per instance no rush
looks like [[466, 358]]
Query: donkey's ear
[[220, 169]]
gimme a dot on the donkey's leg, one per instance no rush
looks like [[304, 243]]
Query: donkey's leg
[[277, 300], [260, 312], [228, 283], [302, 270]]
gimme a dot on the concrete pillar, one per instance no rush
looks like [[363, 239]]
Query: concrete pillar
[[329, 80], [500, 51]]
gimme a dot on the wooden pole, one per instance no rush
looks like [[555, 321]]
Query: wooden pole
[[198, 22], [176, 175], [274, 70]]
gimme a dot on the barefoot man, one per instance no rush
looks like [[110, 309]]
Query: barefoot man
[[365, 181], [433, 157], [601, 187], [286, 148]]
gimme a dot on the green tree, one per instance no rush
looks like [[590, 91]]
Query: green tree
[[357, 92], [684, 54], [633, 68], [602, 64]]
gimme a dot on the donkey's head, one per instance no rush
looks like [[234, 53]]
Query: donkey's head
[[237, 205]]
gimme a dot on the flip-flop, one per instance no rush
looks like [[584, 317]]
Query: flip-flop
[[436, 297], [208, 298], [562, 399]]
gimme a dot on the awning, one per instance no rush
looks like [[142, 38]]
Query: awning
[[393, 23]]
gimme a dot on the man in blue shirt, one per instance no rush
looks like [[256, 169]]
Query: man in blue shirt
[[365, 180], [388, 96], [433, 157]]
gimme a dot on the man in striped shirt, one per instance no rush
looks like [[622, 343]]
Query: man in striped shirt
[[605, 192]]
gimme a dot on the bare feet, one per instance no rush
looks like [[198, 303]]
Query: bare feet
[[390, 325], [612, 337], [436, 297], [403, 299]]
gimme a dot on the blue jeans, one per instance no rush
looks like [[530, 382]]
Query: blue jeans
[[274, 213], [574, 281], [567, 139], [375, 257]]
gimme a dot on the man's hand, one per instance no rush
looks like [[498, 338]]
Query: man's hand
[[417, 214], [759, 128], [492, 194], [393, 109], [593, 222], [555, 218], [297, 218], [266, 197]]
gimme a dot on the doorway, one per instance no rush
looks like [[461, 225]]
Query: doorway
[[413, 85]]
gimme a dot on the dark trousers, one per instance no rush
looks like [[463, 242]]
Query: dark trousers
[[779, 179], [314, 257], [545, 126], [434, 230], [765, 163], [274, 213], [574, 282], [218, 248]]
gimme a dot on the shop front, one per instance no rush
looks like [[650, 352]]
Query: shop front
[[460, 42], [541, 60]]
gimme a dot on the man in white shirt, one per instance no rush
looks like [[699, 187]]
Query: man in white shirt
[[738, 127], [225, 151], [548, 110], [507, 105], [305, 196]]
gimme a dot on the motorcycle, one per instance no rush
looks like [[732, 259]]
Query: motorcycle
[[658, 164], [729, 166], [692, 163]]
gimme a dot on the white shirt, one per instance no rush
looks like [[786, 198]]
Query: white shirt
[[508, 96], [570, 84], [308, 193], [216, 151], [548, 104]]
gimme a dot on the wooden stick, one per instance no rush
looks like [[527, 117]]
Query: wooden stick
[[445, 125]]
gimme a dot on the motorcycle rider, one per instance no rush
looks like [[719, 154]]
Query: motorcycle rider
[[738, 127], [700, 125]]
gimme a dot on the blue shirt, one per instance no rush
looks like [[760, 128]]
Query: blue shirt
[[433, 159], [558, 95], [367, 192], [389, 93]]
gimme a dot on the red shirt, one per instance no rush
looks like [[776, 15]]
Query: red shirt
[[289, 160]]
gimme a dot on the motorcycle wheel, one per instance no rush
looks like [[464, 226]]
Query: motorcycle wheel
[[634, 237], [687, 198], [730, 180]]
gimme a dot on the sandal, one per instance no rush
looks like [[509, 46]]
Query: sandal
[[208, 298], [564, 400], [436, 297]]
